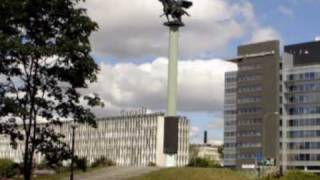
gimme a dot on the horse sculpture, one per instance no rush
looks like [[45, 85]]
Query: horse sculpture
[[175, 9]]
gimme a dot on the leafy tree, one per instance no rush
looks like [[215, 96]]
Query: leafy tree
[[203, 162], [81, 163], [44, 62], [8, 168], [220, 151]]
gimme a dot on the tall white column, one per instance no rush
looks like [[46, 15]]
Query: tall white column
[[173, 70]]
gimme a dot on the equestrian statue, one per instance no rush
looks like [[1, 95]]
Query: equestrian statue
[[174, 10]]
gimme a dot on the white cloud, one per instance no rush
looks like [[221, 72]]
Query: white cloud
[[286, 10], [127, 85], [132, 29], [265, 34]]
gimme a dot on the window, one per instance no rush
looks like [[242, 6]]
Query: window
[[245, 100], [244, 78]]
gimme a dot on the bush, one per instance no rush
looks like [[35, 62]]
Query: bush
[[81, 163], [103, 162], [203, 162], [152, 164], [8, 168]]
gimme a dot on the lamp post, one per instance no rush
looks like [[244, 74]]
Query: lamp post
[[73, 129]]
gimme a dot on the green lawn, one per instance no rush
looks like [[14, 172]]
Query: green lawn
[[194, 174]]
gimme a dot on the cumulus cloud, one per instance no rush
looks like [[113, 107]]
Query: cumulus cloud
[[265, 34], [132, 29], [128, 85]]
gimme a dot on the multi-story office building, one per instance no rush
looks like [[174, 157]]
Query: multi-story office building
[[230, 109], [300, 130], [256, 102], [128, 140]]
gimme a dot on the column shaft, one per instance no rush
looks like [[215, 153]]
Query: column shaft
[[173, 70]]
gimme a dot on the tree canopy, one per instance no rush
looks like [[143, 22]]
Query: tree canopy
[[44, 61]]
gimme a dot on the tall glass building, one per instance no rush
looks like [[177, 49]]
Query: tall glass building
[[300, 101]]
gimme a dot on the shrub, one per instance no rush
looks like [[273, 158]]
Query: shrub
[[152, 164], [8, 168], [81, 163], [102, 161], [202, 162]]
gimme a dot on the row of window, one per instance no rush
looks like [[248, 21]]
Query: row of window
[[305, 98], [249, 133], [229, 145], [231, 90], [231, 79], [248, 145], [249, 122], [249, 78], [228, 134], [304, 122], [304, 157], [304, 87], [230, 112], [304, 134], [304, 110], [230, 123], [246, 89], [304, 76], [249, 67], [304, 145], [245, 100], [246, 156], [249, 110], [229, 156]]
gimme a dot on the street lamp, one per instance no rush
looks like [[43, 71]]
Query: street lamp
[[73, 128]]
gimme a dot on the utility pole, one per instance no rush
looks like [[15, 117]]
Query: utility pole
[[73, 128]]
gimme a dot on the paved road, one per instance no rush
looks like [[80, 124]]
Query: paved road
[[116, 173]]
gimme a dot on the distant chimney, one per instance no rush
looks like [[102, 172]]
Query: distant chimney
[[205, 137], [317, 38]]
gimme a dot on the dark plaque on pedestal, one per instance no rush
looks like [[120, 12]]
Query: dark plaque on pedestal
[[171, 124]]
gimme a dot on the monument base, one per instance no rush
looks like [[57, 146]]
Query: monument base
[[171, 125]]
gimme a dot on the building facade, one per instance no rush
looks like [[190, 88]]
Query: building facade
[[207, 151], [230, 123], [300, 130], [257, 103], [128, 140]]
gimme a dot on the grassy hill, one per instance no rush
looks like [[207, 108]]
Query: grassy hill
[[193, 174]]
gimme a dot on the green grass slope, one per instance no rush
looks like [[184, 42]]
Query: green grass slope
[[193, 174]]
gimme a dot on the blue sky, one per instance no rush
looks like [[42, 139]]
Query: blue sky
[[131, 48]]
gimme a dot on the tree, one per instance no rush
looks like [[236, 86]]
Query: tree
[[220, 151], [44, 63]]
